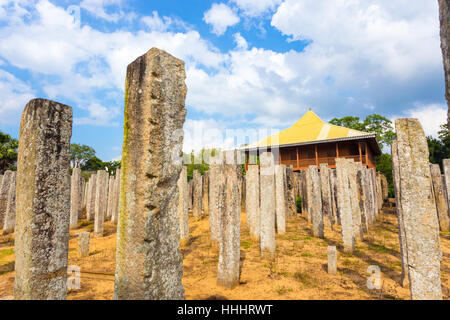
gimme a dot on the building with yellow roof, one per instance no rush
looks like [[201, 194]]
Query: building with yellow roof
[[311, 141]]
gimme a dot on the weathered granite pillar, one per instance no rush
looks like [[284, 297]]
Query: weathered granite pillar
[[419, 211], [344, 204], [354, 201], [315, 201], [401, 225], [291, 205], [334, 202], [198, 191], [304, 194], [230, 224], [148, 259], [75, 200], [100, 202], [372, 176], [444, 18], [280, 198], [4, 190], [215, 172], [90, 201], [361, 189], [252, 201], [267, 205], [116, 200], [326, 195], [205, 193], [446, 165], [439, 197], [43, 201], [384, 187], [183, 212], [332, 259], [110, 202], [368, 197], [83, 244], [191, 194], [10, 212]]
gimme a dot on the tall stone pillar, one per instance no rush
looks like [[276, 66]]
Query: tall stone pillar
[[90, 201], [304, 194], [291, 205], [372, 176], [110, 202], [116, 200], [215, 171], [191, 194], [198, 192], [419, 211], [205, 193], [439, 197], [344, 204], [230, 223], [75, 200], [446, 165], [401, 225], [10, 212], [183, 212], [148, 259], [326, 195], [444, 18], [362, 195], [267, 205], [354, 200], [100, 202], [315, 201], [252, 201], [280, 198], [4, 189], [334, 202], [43, 201]]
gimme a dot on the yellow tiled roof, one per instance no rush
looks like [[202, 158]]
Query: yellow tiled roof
[[309, 128]]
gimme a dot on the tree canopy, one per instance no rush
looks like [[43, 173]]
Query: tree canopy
[[8, 152], [439, 147], [80, 154], [375, 123]]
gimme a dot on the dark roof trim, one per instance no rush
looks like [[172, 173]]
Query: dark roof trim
[[375, 146]]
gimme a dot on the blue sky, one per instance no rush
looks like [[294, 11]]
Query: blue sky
[[254, 64]]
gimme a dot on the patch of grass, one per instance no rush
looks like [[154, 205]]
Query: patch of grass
[[307, 238], [6, 252], [246, 244], [307, 254], [379, 248], [303, 278], [282, 290]]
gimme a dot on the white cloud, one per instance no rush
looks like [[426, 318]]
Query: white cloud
[[431, 117], [15, 95], [254, 8], [98, 8], [98, 115], [220, 16], [240, 41]]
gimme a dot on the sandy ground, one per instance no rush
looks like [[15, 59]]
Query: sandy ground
[[299, 271]]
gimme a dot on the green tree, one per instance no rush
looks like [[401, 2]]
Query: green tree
[[439, 147], [384, 165], [80, 154], [8, 152]]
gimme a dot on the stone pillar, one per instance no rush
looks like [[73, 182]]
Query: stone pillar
[[183, 213], [4, 190], [191, 194], [230, 224], [372, 176], [75, 200], [43, 201], [334, 202], [215, 170], [354, 201], [252, 201], [111, 196], [205, 193], [444, 18], [368, 197], [419, 211], [85, 189], [344, 204], [326, 195], [198, 191], [90, 201], [439, 197], [384, 187], [332, 259], [315, 201], [401, 225], [446, 165], [100, 203], [267, 205], [304, 194], [243, 191], [83, 244], [379, 191], [10, 213], [361, 189], [148, 230], [291, 205], [280, 198], [116, 200]]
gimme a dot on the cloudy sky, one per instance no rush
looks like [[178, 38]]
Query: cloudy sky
[[249, 63]]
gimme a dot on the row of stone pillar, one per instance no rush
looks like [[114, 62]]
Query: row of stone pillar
[[99, 198]]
